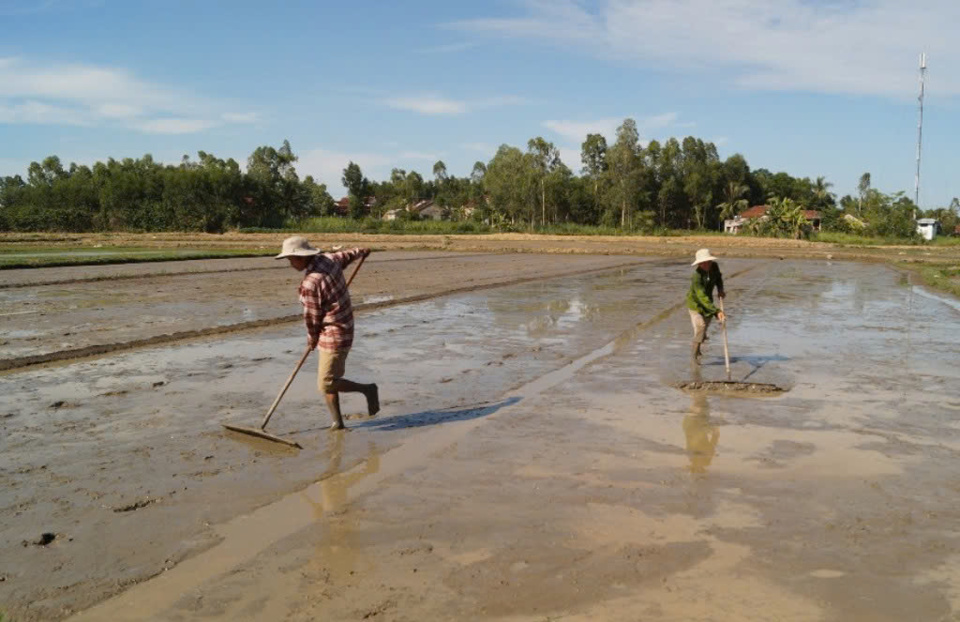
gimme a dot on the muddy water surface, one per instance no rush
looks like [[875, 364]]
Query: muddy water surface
[[533, 462], [126, 451], [53, 316]]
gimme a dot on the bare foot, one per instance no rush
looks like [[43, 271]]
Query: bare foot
[[337, 426], [373, 400]]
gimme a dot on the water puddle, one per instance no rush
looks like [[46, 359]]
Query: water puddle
[[950, 302]]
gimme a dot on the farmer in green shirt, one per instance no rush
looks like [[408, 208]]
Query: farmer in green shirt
[[700, 298]]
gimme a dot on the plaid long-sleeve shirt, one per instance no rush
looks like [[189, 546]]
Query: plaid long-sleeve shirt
[[327, 311]]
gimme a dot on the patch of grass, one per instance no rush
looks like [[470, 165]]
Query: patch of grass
[[852, 239], [940, 277], [373, 225], [53, 256], [333, 224], [943, 279], [589, 230], [947, 241]]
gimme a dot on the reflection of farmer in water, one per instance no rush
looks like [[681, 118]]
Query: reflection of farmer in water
[[700, 298], [701, 436], [333, 550]]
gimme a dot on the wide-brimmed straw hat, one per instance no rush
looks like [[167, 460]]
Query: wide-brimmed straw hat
[[703, 255], [297, 246]]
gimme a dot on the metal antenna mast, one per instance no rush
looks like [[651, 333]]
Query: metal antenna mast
[[923, 74]]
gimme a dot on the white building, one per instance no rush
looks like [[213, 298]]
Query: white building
[[928, 228]]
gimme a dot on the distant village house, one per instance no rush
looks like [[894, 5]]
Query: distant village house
[[735, 225]]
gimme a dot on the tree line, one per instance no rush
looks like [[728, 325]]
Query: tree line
[[627, 185], [208, 194]]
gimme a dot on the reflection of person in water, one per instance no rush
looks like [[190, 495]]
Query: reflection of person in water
[[335, 483], [333, 552], [701, 436]]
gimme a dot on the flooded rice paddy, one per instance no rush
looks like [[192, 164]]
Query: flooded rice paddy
[[533, 459]]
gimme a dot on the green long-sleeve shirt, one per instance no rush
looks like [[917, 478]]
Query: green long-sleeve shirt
[[700, 296]]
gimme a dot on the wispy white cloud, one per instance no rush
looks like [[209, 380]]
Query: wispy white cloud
[[449, 48], [78, 94], [840, 46], [40, 113], [428, 104], [419, 155], [14, 8], [119, 111], [502, 100], [175, 126], [433, 104], [570, 157], [486, 148], [577, 130], [240, 117]]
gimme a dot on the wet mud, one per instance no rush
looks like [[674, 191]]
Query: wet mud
[[48, 323], [534, 461], [731, 386]]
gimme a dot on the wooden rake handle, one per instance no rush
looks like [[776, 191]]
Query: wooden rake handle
[[355, 270], [726, 348], [303, 359]]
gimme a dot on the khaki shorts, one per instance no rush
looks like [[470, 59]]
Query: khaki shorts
[[700, 325], [332, 367]]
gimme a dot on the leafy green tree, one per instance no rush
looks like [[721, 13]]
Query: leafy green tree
[[821, 193], [358, 188], [863, 187], [440, 171], [511, 183], [623, 160], [593, 155], [545, 159], [784, 218], [319, 202], [702, 175]]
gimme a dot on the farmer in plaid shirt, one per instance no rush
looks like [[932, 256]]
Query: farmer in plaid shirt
[[328, 315]]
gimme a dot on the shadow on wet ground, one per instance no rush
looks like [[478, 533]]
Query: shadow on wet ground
[[436, 417]]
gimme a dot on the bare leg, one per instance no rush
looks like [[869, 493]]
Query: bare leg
[[699, 333], [333, 404], [370, 391]]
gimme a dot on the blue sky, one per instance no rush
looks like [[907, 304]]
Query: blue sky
[[813, 87]]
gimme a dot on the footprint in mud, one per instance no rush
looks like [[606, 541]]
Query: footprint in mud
[[45, 538], [136, 505]]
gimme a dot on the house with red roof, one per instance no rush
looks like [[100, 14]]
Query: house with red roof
[[734, 225]]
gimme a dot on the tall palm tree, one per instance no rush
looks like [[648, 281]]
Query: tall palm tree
[[821, 192], [733, 201]]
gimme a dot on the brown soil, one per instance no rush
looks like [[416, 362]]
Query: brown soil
[[672, 246]]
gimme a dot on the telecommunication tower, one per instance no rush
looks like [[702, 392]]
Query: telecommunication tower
[[923, 75]]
